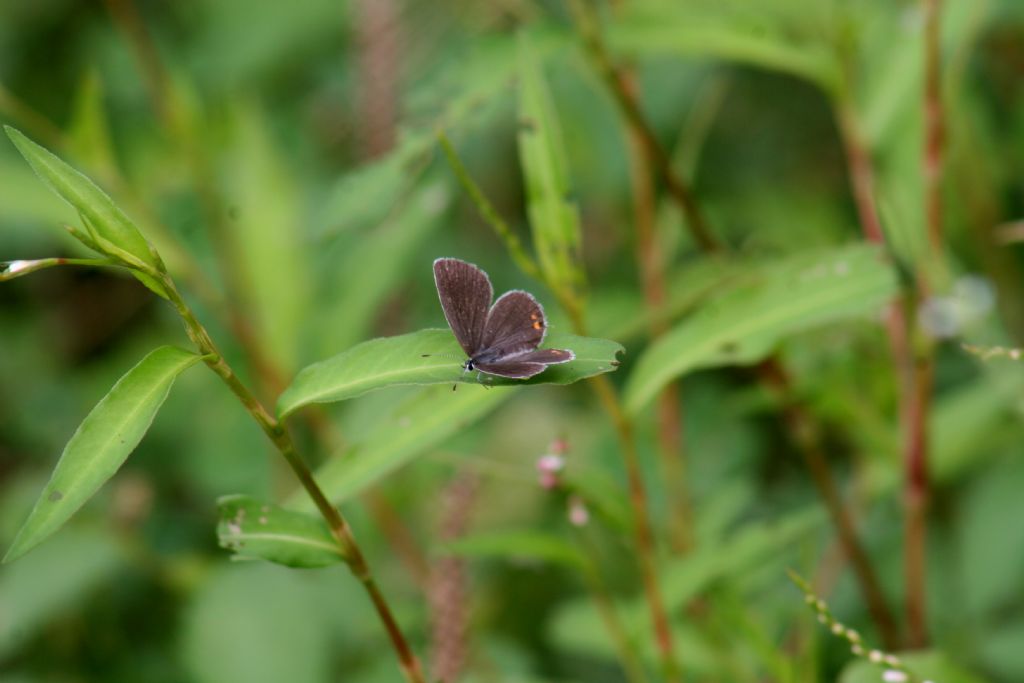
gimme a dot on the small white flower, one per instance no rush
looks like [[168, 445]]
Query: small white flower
[[893, 676], [876, 656]]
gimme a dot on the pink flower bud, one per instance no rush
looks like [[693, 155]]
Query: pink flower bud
[[578, 513]]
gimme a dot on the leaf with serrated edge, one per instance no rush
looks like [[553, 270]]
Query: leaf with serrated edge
[[102, 443], [254, 529], [392, 361]]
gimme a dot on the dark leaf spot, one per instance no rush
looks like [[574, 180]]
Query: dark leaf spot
[[54, 496]]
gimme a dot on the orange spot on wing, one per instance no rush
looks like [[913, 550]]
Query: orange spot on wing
[[537, 325], [533, 316]]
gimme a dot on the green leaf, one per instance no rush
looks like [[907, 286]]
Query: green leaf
[[786, 36], [517, 546], [254, 622], [368, 265], [254, 529], [751, 317], [102, 443], [554, 220], [267, 237], [393, 361], [110, 224], [53, 582], [416, 424]]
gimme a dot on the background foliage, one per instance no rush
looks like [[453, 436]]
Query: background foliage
[[283, 160]]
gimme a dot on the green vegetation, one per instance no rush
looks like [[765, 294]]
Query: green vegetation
[[781, 237]]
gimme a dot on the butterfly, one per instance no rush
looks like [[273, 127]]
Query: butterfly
[[501, 339]]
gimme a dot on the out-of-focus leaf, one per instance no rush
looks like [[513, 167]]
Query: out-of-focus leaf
[[966, 427], [517, 546], [253, 529], [268, 238], [368, 265], [780, 36], [752, 549], [391, 361], [363, 198], [89, 136], [932, 666], [626, 317], [102, 443], [419, 423], [554, 219], [747, 321], [107, 224], [51, 581], [259, 623]]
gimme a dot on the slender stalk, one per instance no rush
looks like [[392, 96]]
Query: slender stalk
[[643, 532], [625, 99], [282, 440], [609, 400], [916, 490], [804, 430], [513, 244], [660, 159], [652, 274], [12, 269], [632, 667], [934, 125]]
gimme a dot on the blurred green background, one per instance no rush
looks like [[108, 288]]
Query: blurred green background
[[282, 158]]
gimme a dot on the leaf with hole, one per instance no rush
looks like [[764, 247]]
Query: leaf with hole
[[253, 529]]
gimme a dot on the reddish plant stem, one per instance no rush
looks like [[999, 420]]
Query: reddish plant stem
[[916, 488], [642, 528], [652, 276], [587, 23], [934, 126], [629, 107], [804, 430]]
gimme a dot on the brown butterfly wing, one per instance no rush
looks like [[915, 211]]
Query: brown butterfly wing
[[515, 325], [465, 293]]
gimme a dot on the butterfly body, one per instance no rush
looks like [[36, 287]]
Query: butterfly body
[[501, 339]]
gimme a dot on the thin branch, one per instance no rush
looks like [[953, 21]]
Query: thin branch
[[643, 531], [804, 431], [487, 211], [649, 256], [590, 33], [282, 440]]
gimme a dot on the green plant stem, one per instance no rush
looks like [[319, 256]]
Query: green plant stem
[[643, 532], [282, 440], [590, 33], [606, 394], [632, 666], [487, 211], [12, 269]]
